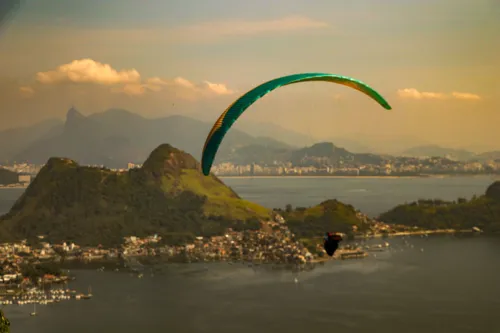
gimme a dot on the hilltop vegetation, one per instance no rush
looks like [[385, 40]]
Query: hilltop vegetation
[[91, 206], [330, 215], [483, 212], [8, 177]]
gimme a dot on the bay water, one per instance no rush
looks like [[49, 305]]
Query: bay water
[[435, 284]]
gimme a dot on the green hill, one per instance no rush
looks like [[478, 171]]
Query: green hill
[[87, 205], [313, 222], [483, 212], [8, 177]]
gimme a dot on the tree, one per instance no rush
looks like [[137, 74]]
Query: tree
[[288, 208], [4, 323]]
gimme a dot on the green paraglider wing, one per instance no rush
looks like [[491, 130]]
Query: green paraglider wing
[[235, 110]]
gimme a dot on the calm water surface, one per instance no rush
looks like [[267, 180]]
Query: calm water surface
[[450, 287], [441, 284], [371, 195]]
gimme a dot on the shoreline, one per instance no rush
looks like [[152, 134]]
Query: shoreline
[[13, 187], [365, 177], [95, 263], [433, 176], [418, 233]]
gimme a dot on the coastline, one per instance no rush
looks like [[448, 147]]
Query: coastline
[[7, 187], [97, 262], [364, 177], [416, 233], [493, 176]]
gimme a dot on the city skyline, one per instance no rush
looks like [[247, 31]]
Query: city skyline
[[434, 62]]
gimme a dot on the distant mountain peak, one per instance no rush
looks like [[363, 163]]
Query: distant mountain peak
[[74, 117], [324, 149], [324, 145], [73, 113]]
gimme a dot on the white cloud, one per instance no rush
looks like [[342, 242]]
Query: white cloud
[[182, 82], [415, 94], [468, 96], [412, 93], [182, 88], [88, 71], [217, 88], [128, 82]]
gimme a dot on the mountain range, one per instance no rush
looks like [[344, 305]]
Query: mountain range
[[116, 137]]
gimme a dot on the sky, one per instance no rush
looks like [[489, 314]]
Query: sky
[[435, 61]]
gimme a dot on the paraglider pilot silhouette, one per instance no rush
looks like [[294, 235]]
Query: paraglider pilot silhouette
[[331, 243]]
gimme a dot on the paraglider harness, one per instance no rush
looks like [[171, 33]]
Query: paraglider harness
[[331, 243]]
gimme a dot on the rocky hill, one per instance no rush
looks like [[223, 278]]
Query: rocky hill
[[482, 212], [328, 153], [8, 177], [319, 154], [168, 195], [313, 222]]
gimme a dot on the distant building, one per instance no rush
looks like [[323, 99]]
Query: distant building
[[24, 178], [133, 166]]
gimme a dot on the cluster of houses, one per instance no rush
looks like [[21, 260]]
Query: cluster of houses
[[273, 243]]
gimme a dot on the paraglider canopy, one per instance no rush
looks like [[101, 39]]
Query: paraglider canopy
[[236, 109]]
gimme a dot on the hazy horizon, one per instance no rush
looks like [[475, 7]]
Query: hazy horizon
[[434, 61]]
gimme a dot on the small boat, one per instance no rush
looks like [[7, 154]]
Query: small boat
[[34, 310], [89, 295]]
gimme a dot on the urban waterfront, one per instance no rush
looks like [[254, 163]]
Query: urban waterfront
[[439, 284], [402, 290]]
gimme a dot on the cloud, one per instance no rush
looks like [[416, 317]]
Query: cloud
[[412, 93], [415, 94], [88, 71], [132, 89], [468, 96], [217, 88], [26, 91], [183, 88], [128, 81]]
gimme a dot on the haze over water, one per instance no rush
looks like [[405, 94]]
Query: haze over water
[[450, 286]]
